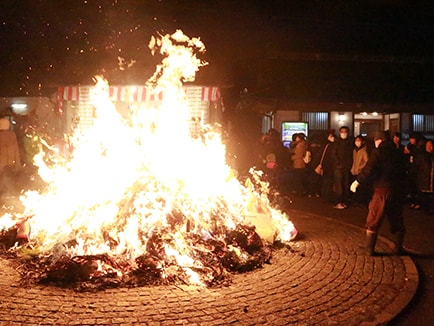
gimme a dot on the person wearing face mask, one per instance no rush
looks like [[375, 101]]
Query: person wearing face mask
[[343, 161], [386, 169], [360, 158]]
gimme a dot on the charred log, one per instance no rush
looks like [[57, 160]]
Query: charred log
[[216, 256]]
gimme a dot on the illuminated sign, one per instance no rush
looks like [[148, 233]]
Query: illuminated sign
[[289, 128]]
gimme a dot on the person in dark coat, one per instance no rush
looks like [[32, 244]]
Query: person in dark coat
[[386, 169], [275, 158], [412, 150], [397, 140], [424, 166], [328, 168], [316, 147], [342, 152]]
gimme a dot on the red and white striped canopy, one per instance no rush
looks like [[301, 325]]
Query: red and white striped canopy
[[136, 93]]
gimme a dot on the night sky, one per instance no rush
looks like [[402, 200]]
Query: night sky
[[319, 50]]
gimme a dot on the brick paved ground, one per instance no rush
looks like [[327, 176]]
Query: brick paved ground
[[326, 279], [418, 239]]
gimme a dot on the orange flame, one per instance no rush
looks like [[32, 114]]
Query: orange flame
[[126, 179]]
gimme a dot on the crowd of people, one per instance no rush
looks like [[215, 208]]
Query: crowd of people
[[335, 160], [380, 173]]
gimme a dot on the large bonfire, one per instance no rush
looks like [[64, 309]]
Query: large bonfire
[[141, 200]]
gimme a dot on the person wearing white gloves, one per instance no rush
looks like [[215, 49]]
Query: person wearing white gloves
[[386, 171], [354, 186]]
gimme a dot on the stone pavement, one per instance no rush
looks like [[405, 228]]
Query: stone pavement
[[324, 279]]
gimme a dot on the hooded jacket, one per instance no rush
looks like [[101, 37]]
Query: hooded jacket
[[386, 167]]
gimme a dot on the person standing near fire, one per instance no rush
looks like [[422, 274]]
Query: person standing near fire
[[342, 152], [387, 170], [411, 150], [273, 158], [424, 166], [328, 168], [297, 153], [10, 159], [360, 158]]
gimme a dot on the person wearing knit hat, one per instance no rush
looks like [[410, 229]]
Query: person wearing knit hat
[[386, 169]]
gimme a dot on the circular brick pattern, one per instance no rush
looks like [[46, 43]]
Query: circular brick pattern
[[324, 278]]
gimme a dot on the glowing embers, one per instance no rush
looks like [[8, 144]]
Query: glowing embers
[[209, 261], [140, 200]]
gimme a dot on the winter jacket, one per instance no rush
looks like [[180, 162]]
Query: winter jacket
[[343, 154], [386, 167], [360, 158], [328, 161], [424, 167], [298, 153]]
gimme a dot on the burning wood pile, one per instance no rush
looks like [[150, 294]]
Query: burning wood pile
[[216, 258], [140, 201]]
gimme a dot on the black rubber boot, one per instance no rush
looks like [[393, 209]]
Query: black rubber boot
[[398, 239], [371, 239]]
